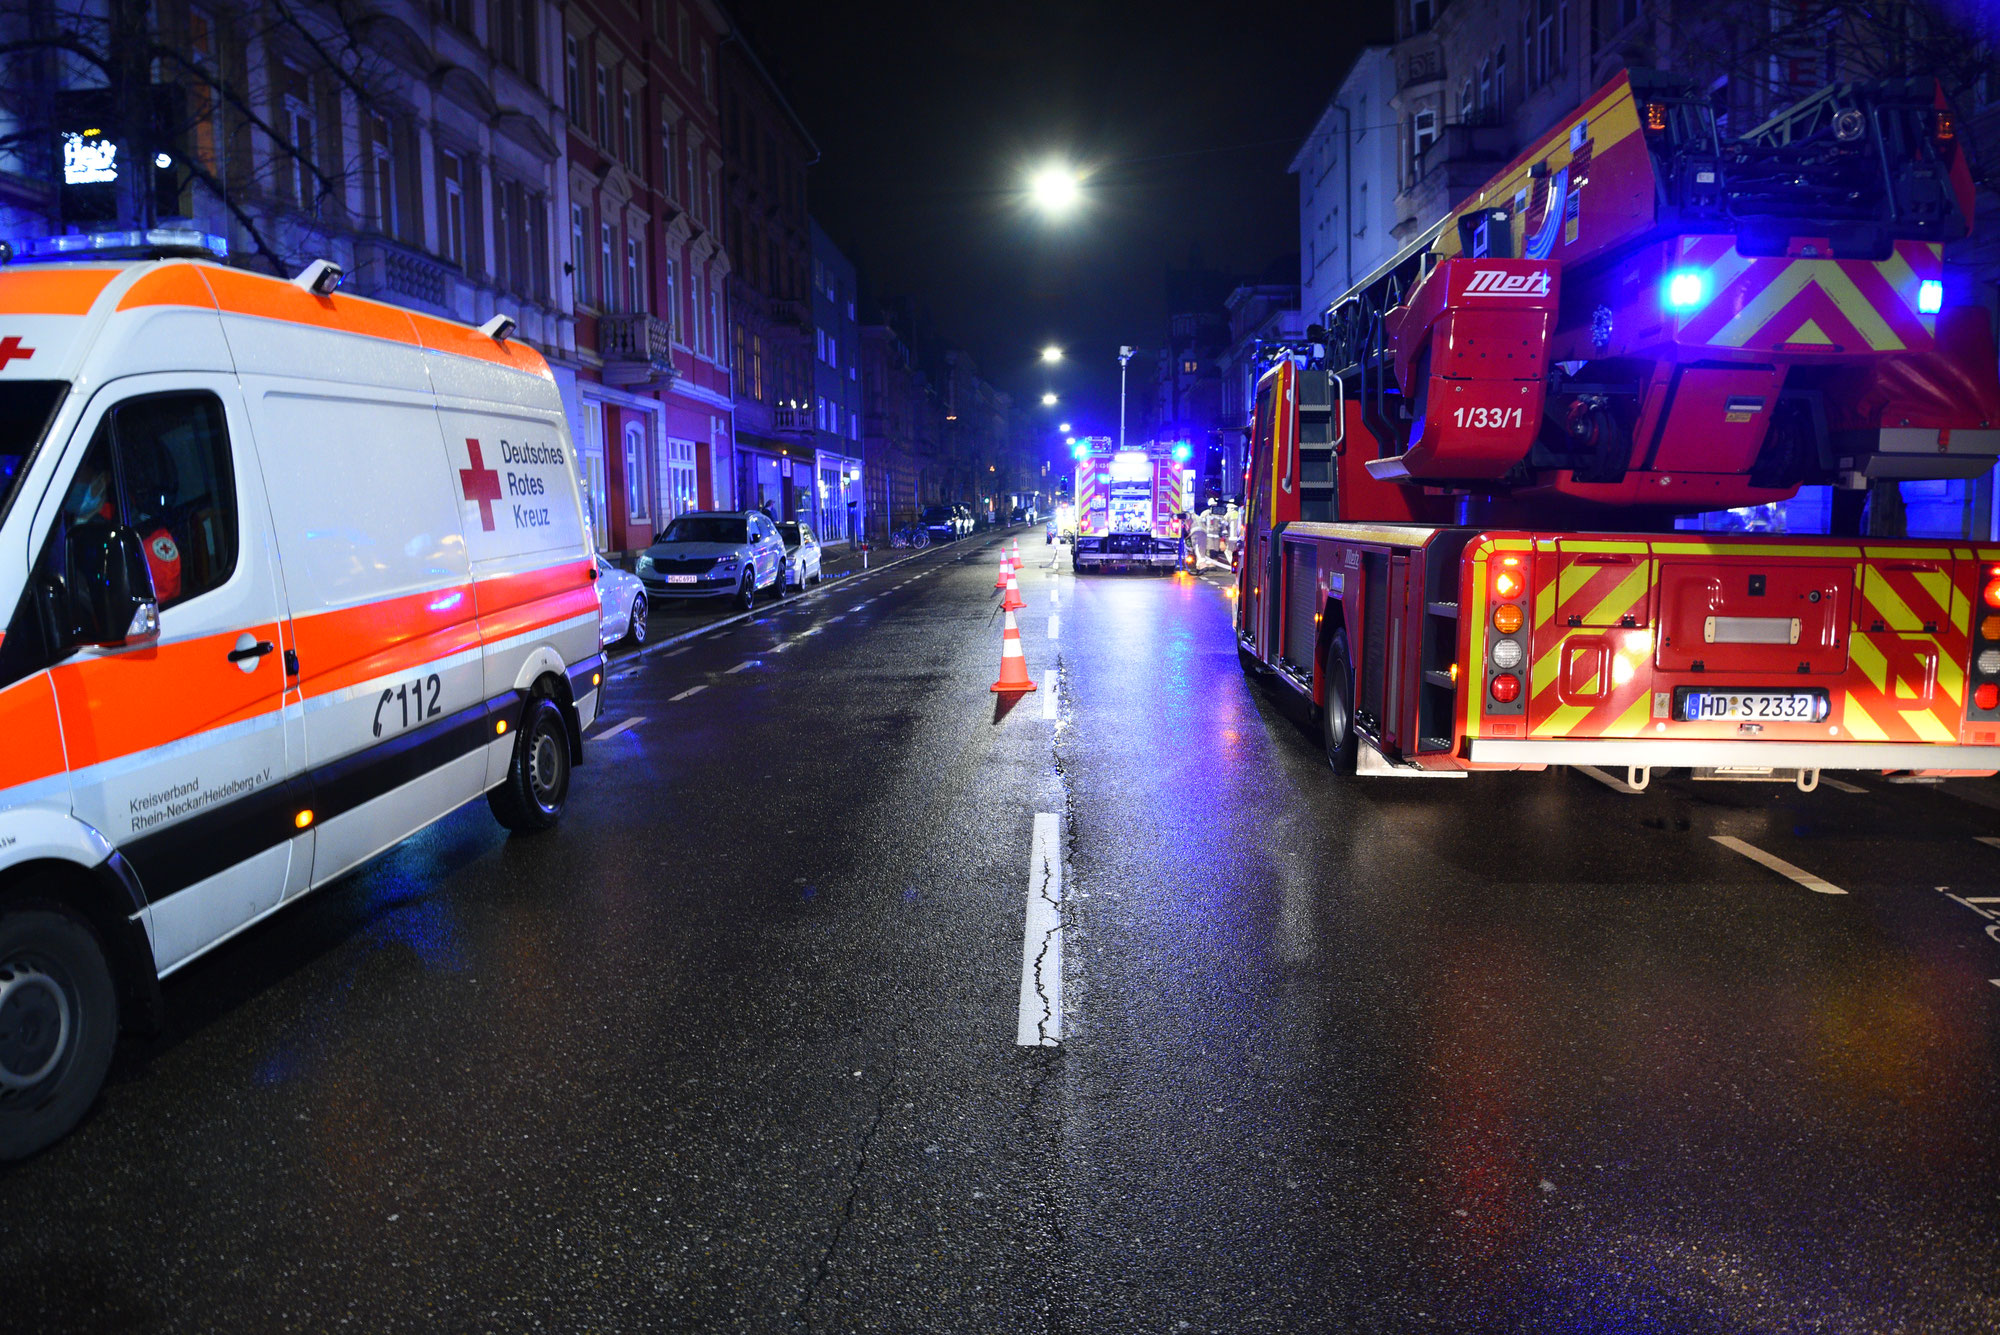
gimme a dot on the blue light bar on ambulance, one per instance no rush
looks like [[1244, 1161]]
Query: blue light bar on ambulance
[[1686, 289], [104, 245], [1930, 297]]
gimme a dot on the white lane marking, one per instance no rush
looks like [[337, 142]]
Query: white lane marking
[[1049, 692], [1039, 1023], [1778, 864], [1991, 841], [1609, 780], [629, 723], [1055, 626], [692, 690], [1968, 791], [841, 617], [743, 666], [676, 653], [1841, 785]]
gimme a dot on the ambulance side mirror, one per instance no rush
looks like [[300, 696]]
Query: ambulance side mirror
[[111, 597]]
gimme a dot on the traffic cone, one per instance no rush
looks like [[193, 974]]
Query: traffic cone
[[1013, 602], [1013, 665], [1006, 569]]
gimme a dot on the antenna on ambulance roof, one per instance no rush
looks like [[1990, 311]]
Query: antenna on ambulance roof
[[321, 278]]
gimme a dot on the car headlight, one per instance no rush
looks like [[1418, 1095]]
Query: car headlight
[[645, 563]]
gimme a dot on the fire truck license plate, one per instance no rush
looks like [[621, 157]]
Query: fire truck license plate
[[1757, 706]]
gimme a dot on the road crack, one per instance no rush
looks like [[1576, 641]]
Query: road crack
[[854, 1179]]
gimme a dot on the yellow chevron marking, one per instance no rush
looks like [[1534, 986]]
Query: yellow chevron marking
[[1937, 584], [1562, 719], [1633, 721], [1572, 579], [1875, 589], [1901, 278], [1623, 598], [1627, 546], [1545, 666], [1545, 605], [1870, 660], [1928, 726], [1727, 269], [1809, 332], [1951, 680], [1860, 724], [1833, 281], [1789, 283]]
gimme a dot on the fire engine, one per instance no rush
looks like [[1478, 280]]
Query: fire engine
[[1461, 550], [1129, 504]]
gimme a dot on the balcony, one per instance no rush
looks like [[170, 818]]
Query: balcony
[[392, 271], [637, 352], [792, 421], [793, 313]]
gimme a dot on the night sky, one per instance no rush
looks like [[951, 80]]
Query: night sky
[[928, 116]]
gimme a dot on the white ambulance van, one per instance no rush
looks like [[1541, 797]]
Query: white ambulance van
[[285, 576]]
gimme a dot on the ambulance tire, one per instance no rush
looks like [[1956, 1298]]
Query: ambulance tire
[[52, 971], [537, 784], [1336, 717]]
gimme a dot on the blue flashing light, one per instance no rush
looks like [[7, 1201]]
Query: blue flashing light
[[1687, 289], [1078, 450], [1930, 297], [122, 244], [1183, 451]]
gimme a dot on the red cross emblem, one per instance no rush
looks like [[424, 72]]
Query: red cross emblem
[[479, 483], [11, 349]]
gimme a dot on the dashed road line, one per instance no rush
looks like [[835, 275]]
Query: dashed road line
[[1777, 864], [1991, 841], [1055, 626], [1841, 785], [624, 726], [692, 690], [744, 666], [1039, 1021]]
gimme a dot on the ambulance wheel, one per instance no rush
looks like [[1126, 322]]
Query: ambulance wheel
[[58, 1024], [746, 597], [1336, 725], [637, 632], [537, 785]]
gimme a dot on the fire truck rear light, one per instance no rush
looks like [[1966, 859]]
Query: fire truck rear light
[[1506, 688], [1507, 618], [1507, 654], [1988, 663], [1930, 297], [1508, 584], [1989, 628], [1656, 117], [1992, 592], [1943, 128], [1986, 696]]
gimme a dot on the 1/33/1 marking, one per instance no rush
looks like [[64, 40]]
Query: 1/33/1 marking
[[411, 704], [1495, 418]]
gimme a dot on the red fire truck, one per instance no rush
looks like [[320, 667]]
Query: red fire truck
[[1128, 505], [1461, 551]]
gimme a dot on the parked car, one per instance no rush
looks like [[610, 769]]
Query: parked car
[[621, 605], [715, 553], [802, 554], [942, 523], [1023, 514]]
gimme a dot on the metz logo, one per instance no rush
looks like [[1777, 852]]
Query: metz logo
[[1500, 283]]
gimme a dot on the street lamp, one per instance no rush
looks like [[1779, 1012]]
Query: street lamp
[[1052, 354], [1124, 355], [1049, 399], [1054, 188], [1064, 428]]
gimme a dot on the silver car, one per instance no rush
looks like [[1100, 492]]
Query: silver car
[[734, 554], [802, 554]]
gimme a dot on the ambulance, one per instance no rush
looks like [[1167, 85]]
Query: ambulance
[[285, 576]]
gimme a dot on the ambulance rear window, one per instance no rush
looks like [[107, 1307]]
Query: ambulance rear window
[[26, 409]]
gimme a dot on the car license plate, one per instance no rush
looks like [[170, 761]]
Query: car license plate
[[682, 579], [1752, 706]]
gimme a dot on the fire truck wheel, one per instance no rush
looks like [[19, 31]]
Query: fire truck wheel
[[1337, 716], [58, 1023]]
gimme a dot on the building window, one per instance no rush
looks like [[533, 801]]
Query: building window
[[302, 127], [637, 506], [681, 43], [602, 130], [607, 248], [707, 81], [757, 367], [667, 182], [512, 35], [628, 130], [451, 207], [714, 198], [203, 107], [1486, 85], [660, 8], [1190, 367], [683, 492], [1423, 133], [714, 320], [635, 278], [672, 314], [1500, 81], [1423, 13], [381, 181], [1465, 103], [579, 248], [572, 78], [458, 13], [698, 339]]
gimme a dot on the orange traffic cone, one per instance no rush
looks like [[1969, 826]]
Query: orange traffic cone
[[1013, 665], [1006, 569], [1013, 602]]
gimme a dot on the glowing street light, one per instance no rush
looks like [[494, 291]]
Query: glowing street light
[[1064, 428], [1054, 188], [1049, 399], [1052, 354]]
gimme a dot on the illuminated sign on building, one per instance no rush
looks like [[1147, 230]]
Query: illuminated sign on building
[[89, 158]]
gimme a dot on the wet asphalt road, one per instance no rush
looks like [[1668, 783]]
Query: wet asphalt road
[[734, 1049]]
